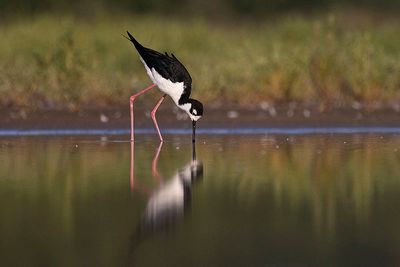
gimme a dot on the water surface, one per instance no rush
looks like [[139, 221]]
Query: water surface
[[300, 200]]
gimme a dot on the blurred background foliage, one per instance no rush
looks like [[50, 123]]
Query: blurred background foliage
[[70, 54], [188, 7]]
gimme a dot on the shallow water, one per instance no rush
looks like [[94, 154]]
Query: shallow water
[[319, 200]]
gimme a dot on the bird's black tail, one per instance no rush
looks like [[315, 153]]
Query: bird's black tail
[[137, 45]]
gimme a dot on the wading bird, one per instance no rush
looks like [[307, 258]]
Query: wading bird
[[172, 78]]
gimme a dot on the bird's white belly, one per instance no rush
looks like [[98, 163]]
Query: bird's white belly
[[174, 90], [148, 71]]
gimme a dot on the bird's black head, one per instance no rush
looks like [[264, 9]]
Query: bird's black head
[[196, 110]]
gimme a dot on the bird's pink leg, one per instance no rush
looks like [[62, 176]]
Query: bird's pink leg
[[153, 116], [131, 100]]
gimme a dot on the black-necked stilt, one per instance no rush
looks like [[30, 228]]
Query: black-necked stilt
[[172, 78]]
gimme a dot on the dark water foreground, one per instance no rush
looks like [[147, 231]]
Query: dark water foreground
[[302, 200]]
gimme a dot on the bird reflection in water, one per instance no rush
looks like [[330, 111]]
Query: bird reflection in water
[[167, 203]]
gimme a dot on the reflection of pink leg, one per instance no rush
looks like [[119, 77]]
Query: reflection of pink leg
[[131, 177], [153, 116], [132, 173], [153, 168], [131, 100], [155, 162]]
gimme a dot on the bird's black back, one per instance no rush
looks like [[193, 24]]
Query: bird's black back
[[168, 66]]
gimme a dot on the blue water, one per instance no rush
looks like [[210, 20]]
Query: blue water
[[206, 131]]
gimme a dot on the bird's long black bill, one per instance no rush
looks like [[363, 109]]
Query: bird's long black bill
[[194, 131]]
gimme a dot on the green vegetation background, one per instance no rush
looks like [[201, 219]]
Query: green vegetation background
[[71, 54]]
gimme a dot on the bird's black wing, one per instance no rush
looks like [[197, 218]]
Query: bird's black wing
[[168, 66]]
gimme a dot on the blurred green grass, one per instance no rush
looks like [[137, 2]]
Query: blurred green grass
[[63, 62]]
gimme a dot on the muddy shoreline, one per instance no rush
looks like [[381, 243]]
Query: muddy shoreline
[[217, 117]]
